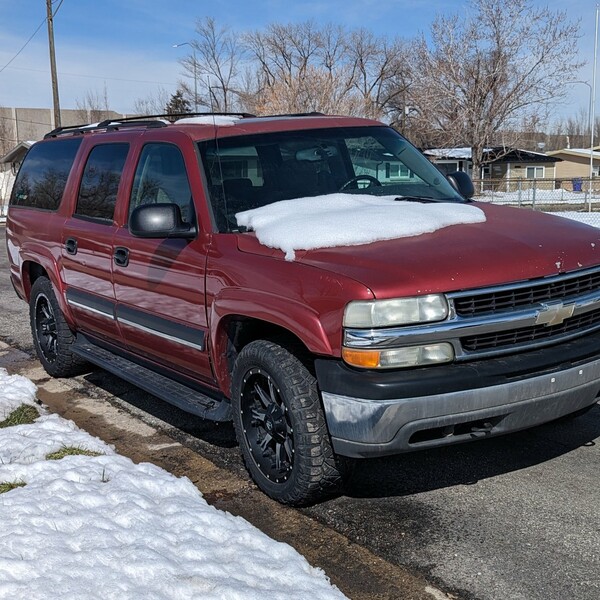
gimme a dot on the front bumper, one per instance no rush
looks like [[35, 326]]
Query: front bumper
[[436, 406]]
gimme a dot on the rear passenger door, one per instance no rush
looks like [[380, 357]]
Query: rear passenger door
[[87, 241], [159, 283]]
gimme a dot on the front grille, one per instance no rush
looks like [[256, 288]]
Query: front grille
[[559, 288], [489, 341]]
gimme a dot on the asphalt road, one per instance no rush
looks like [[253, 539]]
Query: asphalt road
[[514, 518]]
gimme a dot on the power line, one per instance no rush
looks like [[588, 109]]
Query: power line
[[47, 124], [24, 45], [31, 37], [63, 74]]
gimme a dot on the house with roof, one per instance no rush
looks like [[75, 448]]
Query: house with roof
[[575, 163], [500, 163]]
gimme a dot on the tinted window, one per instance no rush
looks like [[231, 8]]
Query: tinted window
[[100, 181], [42, 178], [247, 172], [161, 177]]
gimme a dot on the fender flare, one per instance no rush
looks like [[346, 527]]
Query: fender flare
[[270, 308], [38, 254]]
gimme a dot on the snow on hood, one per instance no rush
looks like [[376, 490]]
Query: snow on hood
[[349, 220]]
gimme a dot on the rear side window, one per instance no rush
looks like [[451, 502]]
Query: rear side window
[[100, 181], [43, 175]]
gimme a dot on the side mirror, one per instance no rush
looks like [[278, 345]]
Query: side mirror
[[159, 221], [462, 183]]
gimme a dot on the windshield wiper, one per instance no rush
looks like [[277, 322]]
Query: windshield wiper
[[422, 199]]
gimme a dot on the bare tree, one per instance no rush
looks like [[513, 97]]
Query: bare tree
[[490, 72], [213, 66], [379, 72], [7, 135], [305, 67], [92, 106], [153, 104]]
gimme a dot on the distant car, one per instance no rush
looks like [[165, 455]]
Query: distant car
[[125, 238]]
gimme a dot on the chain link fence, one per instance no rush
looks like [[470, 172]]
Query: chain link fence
[[577, 198]]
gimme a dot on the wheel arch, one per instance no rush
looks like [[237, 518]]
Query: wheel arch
[[235, 331], [42, 266]]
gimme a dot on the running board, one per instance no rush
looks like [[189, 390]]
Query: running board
[[165, 388]]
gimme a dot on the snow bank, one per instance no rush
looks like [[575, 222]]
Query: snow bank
[[14, 391], [349, 220], [104, 527]]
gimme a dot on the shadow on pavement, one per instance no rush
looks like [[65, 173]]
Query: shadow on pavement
[[465, 464]]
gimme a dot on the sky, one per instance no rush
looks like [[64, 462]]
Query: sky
[[126, 46]]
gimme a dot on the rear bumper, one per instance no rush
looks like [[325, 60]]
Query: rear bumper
[[363, 427]]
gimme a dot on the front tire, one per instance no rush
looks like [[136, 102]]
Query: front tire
[[280, 426], [52, 337]]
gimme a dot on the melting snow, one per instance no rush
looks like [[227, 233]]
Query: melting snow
[[349, 220], [104, 527]]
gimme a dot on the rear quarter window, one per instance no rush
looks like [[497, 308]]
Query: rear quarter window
[[43, 175]]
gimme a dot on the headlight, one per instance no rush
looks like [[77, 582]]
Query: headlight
[[397, 311], [398, 358]]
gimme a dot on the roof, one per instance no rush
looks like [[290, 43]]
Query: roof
[[456, 153], [505, 155], [577, 152], [17, 152], [205, 125]]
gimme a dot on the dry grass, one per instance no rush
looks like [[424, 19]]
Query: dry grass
[[71, 451], [7, 486], [24, 415]]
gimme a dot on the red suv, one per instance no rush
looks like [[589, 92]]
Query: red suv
[[314, 278]]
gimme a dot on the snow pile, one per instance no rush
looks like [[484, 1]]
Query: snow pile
[[14, 391], [220, 120], [29, 443], [349, 220], [103, 527]]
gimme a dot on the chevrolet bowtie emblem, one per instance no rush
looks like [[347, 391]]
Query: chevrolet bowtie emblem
[[554, 313]]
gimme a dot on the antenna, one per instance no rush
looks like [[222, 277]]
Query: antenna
[[212, 109]]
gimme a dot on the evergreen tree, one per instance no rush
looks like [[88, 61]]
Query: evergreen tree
[[178, 104]]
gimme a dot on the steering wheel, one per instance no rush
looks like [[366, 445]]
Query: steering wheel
[[372, 181]]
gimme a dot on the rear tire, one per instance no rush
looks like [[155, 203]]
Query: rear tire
[[52, 337], [280, 426]]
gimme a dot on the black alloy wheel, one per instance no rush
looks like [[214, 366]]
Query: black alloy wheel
[[280, 425], [45, 328], [51, 334], [267, 427]]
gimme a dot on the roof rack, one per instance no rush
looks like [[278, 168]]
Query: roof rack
[[175, 116], [151, 121], [305, 114], [108, 125], [139, 121]]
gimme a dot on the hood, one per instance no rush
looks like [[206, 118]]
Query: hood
[[511, 245]]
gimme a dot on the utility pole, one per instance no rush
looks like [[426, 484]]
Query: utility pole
[[55, 99]]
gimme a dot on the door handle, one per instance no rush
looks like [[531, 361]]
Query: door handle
[[71, 246], [121, 256]]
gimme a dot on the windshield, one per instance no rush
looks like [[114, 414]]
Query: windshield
[[251, 171]]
